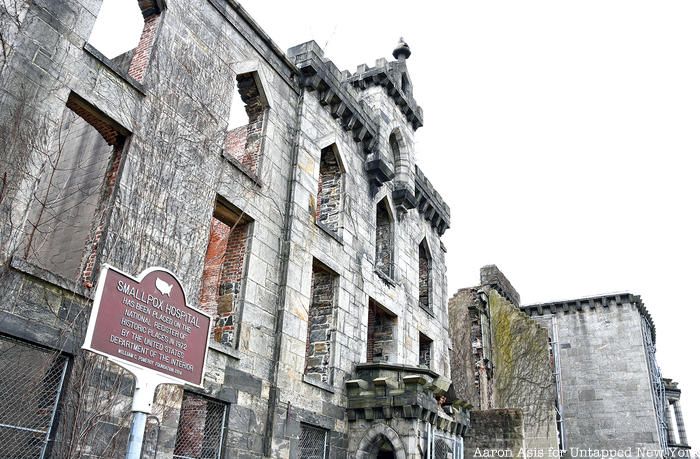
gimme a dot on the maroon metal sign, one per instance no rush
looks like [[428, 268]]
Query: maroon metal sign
[[146, 322]]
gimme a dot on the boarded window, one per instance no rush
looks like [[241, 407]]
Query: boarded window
[[381, 329], [318, 340], [125, 32], [384, 245], [200, 432], [425, 276], [30, 384], [425, 349], [244, 142], [313, 442], [224, 266], [330, 190], [71, 203]]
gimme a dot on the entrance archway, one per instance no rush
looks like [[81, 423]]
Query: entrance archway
[[381, 442]]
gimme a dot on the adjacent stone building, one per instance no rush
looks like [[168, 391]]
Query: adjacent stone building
[[309, 234], [501, 366], [586, 370]]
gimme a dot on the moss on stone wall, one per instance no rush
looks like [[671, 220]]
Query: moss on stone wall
[[522, 370]]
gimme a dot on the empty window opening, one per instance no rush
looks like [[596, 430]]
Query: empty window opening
[[395, 152], [425, 276], [244, 142], [425, 348], [71, 202], [125, 31], [330, 190], [313, 442], [381, 330], [320, 324], [200, 432], [224, 265], [31, 383], [384, 246]]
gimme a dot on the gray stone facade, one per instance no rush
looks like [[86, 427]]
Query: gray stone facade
[[610, 390], [606, 393], [286, 246]]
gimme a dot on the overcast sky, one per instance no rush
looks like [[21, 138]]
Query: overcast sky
[[563, 135]]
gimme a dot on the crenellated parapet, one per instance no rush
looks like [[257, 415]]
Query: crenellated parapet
[[321, 75], [385, 391], [595, 302], [430, 204], [392, 76]]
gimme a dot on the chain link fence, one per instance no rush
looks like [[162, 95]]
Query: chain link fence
[[313, 442], [31, 379], [200, 433], [445, 446]]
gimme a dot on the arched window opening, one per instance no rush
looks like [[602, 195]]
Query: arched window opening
[[384, 245], [124, 32], [330, 190], [244, 139], [424, 276], [395, 151]]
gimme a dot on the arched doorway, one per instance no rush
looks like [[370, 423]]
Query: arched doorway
[[382, 449], [381, 442]]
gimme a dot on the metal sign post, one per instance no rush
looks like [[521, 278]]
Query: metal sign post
[[144, 325]]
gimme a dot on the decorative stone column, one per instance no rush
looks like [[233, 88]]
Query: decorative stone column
[[670, 431], [682, 437]]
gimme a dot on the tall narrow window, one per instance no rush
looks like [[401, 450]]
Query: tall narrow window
[[200, 432], [395, 152], [384, 245], [244, 142], [125, 32], [70, 205], [224, 266], [425, 347], [318, 339], [381, 333], [425, 276], [399, 157], [330, 190]]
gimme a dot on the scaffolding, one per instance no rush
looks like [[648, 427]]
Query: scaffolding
[[657, 384]]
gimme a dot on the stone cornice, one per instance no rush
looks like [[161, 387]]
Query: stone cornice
[[321, 75], [430, 204], [386, 391], [389, 76], [602, 301]]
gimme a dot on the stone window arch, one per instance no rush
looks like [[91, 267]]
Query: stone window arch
[[425, 275], [399, 156], [384, 239], [329, 202], [245, 134], [381, 441]]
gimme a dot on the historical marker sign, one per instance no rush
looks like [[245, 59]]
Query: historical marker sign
[[146, 322]]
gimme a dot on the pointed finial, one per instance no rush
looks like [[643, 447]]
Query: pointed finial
[[402, 51]]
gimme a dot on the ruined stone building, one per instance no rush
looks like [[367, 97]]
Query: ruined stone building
[[307, 231], [569, 374]]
